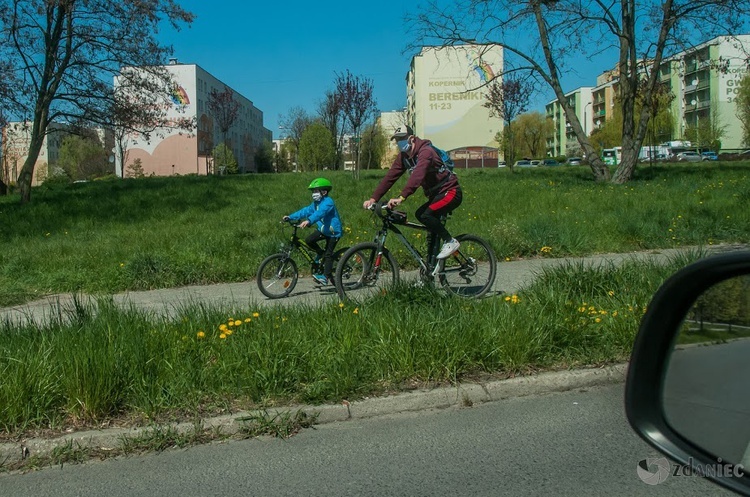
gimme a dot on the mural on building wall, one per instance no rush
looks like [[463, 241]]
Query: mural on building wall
[[451, 84]]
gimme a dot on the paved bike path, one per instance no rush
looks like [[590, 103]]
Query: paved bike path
[[511, 277]]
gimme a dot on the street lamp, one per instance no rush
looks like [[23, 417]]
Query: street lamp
[[585, 121]]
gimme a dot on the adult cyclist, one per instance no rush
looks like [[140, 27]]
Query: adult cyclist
[[440, 185]]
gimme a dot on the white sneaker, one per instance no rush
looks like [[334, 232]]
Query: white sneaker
[[448, 248]]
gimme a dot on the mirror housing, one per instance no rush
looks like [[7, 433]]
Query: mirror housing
[[649, 362]]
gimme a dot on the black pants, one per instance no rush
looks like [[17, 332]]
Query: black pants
[[442, 204], [326, 254]]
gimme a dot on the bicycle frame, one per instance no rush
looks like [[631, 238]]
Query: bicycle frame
[[295, 242], [427, 263]]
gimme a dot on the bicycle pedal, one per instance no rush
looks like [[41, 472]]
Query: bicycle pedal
[[435, 272]]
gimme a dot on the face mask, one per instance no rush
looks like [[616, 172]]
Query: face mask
[[403, 145], [317, 196]]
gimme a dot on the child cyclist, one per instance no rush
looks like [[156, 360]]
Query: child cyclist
[[324, 214]]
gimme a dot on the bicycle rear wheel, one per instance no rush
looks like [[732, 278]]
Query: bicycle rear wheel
[[471, 270], [362, 272], [277, 276]]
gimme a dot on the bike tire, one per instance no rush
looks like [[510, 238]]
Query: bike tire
[[470, 271], [277, 276], [360, 274]]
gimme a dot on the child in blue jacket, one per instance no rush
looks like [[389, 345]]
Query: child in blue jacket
[[324, 214]]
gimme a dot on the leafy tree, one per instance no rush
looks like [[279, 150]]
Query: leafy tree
[[83, 158], [264, 157], [358, 104], [224, 158], [531, 131], [316, 150], [68, 52], [557, 31], [135, 170], [506, 100]]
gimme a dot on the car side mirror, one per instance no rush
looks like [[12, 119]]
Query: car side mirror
[[687, 392]]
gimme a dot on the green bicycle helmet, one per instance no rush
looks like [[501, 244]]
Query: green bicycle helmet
[[321, 183]]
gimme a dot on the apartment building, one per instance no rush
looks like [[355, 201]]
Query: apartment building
[[445, 97], [16, 138], [704, 81], [171, 151], [562, 140]]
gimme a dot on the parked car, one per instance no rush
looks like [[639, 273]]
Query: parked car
[[536, 163], [686, 388], [689, 156], [523, 163], [501, 163], [550, 162], [574, 161], [709, 156]]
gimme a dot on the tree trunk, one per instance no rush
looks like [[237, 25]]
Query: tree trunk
[[27, 171]]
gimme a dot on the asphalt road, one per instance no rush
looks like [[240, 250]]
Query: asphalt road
[[575, 443]]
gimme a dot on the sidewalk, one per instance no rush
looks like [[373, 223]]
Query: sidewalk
[[512, 276]]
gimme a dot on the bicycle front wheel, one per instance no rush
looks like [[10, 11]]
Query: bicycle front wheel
[[471, 270], [277, 276], [363, 272]]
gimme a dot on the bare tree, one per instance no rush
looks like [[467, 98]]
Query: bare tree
[[358, 104], [224, 109], [557, 31], [506, 100], [68, 52], [295, 123], [331, 115]]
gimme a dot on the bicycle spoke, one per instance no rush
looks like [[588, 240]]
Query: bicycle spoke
[[470, 272], [362, 272]]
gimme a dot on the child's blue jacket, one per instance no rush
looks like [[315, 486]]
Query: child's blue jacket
[[322, 213]]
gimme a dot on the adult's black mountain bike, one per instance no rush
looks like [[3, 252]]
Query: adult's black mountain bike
[[369, 268]]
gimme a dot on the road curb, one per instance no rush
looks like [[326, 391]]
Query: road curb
[[459, 395]]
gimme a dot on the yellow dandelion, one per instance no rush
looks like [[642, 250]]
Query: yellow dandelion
[[223, 327], [356, 310], [200, 334], [598, 320], [228, 332], [247, 320], [223, 336], [256, 315], [341, 305], [237, 323], [507, 299], [611, 293], [614, 314]]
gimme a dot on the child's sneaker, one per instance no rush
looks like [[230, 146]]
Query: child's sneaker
[[320, 278], [448, 248]]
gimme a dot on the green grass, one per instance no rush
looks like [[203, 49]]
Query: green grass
[[139, 368], [135, 234]]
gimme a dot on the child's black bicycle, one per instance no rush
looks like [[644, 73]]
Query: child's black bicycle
[[367, 268], [278, 273]]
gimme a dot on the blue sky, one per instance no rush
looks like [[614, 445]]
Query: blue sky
[[287, 54]]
